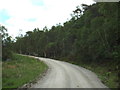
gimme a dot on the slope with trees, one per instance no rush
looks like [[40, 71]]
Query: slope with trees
[[90, 36]]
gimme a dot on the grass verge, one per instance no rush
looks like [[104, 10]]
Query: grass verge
[[21, 70], [107, 72]]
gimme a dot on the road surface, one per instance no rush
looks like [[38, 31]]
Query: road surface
[[64, 75]]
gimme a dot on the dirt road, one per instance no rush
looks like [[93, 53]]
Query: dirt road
[[65, 75]]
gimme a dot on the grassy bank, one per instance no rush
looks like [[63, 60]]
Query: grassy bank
[[107, 72], [21, 70]]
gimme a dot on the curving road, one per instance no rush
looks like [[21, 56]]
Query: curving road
[[64, 75]]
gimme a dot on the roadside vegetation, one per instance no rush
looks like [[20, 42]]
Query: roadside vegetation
[[21, 70], [91, 38], [106, 72]]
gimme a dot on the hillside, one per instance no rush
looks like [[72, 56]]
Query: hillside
[[90, 38]]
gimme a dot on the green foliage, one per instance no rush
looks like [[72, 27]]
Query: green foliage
[[6, 44], [91, 36], [107, 73], [21, 70]]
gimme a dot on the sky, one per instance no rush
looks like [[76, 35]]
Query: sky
[[20, 16]]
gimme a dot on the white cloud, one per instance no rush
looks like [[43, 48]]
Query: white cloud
[[46, 13]]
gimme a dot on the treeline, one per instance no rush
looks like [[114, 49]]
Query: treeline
[[6, 44], [91, 35]]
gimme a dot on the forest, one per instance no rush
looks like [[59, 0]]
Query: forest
[[92, 35]]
